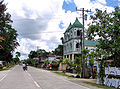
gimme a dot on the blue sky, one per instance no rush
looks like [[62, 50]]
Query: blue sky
[[71, 6]]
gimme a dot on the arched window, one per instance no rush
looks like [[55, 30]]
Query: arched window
[[78, 32], [77, 45]]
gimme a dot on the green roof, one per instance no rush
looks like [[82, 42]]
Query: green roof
[[91, 43], [77, 24], [70, 25]]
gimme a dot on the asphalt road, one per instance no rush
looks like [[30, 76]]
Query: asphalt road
[[35, 79]]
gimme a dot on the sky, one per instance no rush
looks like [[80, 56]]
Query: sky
[[41, 23]]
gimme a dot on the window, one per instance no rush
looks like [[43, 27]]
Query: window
[[78, 32], [77, 45]]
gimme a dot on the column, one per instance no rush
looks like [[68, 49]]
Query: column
[[69, 56], [72, 57]]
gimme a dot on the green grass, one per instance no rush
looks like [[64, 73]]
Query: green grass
[[7, 68], [63, 74], [99, 86], [60, 73]]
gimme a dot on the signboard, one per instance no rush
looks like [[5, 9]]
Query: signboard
[[113, 82]]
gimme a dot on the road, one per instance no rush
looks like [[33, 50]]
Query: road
[[35, 79]]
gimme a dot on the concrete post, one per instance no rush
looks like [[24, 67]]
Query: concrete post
[[72, 57], [98, 75], [69, 56]]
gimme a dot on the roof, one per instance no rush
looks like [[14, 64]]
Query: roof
[[91, 43], [70, 25], [75, 24]]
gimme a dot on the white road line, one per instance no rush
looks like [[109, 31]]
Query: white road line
[[73, 83], [3, 77], [36, 84], [76, 84], [33, 80]]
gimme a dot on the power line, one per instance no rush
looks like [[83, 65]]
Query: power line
[[40, 32]]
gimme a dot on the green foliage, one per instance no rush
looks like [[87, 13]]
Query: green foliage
[[102, 70], [42, 52], [77, 64], [18, 54], [105, 27], [58, 50], [16, 59], [92, 57], [33, 54], [85, 54], [31, 62], [46, 61], [8, 33]]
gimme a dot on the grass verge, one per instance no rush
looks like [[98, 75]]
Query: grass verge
[[62, 74], [7, 68], [99, 86]]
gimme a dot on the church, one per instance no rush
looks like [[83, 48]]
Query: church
[[72, 40]]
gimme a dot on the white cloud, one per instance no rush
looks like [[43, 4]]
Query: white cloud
[[38, 21]]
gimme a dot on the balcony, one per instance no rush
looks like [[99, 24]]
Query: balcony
[[77, 49]]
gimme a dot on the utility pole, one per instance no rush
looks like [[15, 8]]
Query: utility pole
[[83, 38]]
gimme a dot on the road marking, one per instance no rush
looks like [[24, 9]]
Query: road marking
[[33, 80], [3, 77], [76, 84], [36, 84], [72, 82]]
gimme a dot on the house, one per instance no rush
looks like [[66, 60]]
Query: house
[[72, 40], [44, 57]]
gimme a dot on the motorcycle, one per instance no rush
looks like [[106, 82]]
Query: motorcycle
[[25, 68]]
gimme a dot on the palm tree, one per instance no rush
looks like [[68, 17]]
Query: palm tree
[[16, 59]]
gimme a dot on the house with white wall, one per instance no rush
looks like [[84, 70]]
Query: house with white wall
[[72, 40]]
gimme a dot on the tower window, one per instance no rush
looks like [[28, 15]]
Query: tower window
[[78, 32], [77, 45]]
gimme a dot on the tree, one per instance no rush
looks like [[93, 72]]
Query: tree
[[17, 59], [42, 52], [33, 54], [92, 58], [77, 65], [85, 54], [31, 62], [58, 50], [105, 28], [8, 33]]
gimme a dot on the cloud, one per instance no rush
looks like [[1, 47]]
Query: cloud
[[38, 21]]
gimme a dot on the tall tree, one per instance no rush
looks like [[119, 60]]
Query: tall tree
[[8, 33], [105, 27], [17, 59], [58, 50], [33, 54]]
